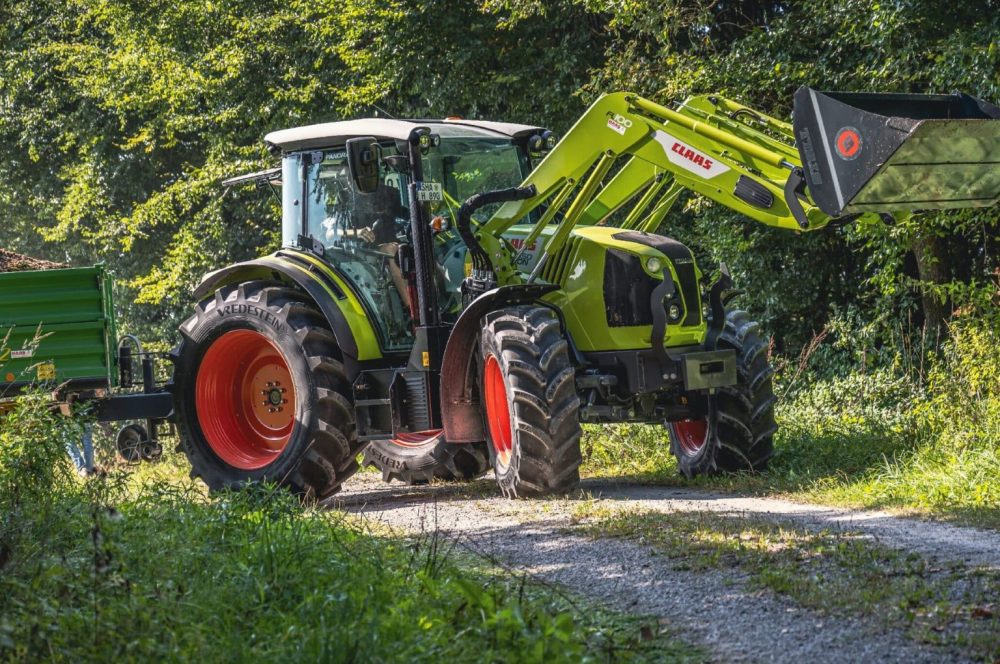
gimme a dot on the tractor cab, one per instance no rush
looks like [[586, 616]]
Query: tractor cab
[[365, 232]]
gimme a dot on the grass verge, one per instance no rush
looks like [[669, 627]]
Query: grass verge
[[141, 565], [839, 573]]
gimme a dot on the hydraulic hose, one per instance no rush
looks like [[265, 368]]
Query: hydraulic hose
[[480, 259]]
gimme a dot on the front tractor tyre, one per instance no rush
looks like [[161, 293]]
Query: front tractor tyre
[[738, 432], [261, 394], [530, 404]]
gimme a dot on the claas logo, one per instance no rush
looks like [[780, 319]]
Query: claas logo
[[692, 156]]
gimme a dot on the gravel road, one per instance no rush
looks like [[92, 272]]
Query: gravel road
[[971, 546], [713, 608]]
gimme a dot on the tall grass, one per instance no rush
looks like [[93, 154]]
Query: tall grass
[[139, 565], [947, 445]]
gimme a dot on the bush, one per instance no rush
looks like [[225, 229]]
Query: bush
[[957, 464], [126, 566], [888, 438], [39, 497]]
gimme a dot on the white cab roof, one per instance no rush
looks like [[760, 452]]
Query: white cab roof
[[331, 134]]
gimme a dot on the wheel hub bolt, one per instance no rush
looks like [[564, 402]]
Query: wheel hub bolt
[[274, 397]]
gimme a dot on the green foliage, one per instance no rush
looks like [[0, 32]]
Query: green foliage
[[901, 436], [434, 58], [964, 401], [34, 467], [145, 567], [956, 462]]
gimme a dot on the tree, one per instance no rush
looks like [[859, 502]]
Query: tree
[[118, 120], [760, 52]]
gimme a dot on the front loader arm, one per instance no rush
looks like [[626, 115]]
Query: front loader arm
[[697, 147], [846, 155]]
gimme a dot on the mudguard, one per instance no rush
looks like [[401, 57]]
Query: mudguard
[[460, 412], [348, 320]]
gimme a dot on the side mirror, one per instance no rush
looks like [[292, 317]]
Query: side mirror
[[362, 160]]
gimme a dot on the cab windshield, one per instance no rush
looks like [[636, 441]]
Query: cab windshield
[[467, 163]]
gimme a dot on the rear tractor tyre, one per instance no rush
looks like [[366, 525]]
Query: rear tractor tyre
[[261, 394], [418, 458], [530, 405], [738, 434]]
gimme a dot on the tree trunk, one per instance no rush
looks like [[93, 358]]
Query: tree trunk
[[933, 268]]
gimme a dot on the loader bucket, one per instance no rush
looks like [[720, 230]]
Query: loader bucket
[[887, 152]]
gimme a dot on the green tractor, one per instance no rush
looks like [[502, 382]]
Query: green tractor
[[454, 295]]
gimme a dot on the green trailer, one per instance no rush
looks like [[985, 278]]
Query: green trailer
[[58, 331]]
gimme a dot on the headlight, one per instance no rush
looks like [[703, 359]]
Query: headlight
[[427, 141], [674, 312], [550, 140], [654, 265]]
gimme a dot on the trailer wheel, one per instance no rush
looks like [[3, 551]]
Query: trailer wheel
[[530, 405], [129, 441], [262, 394], [738, 432], [418, 458]]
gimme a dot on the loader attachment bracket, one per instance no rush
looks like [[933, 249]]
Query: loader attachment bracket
[[795, 185], [658, 335], [720, 293]]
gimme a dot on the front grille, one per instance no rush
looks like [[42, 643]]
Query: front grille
[[683, 262], [627, 290]]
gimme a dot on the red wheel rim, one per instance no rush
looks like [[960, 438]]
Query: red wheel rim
[[497, 411], [691, 435], [245, 399]]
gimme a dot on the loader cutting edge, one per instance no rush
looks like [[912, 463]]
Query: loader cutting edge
[[864, 152]]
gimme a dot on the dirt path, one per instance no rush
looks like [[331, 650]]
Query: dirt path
[[714, 607]]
